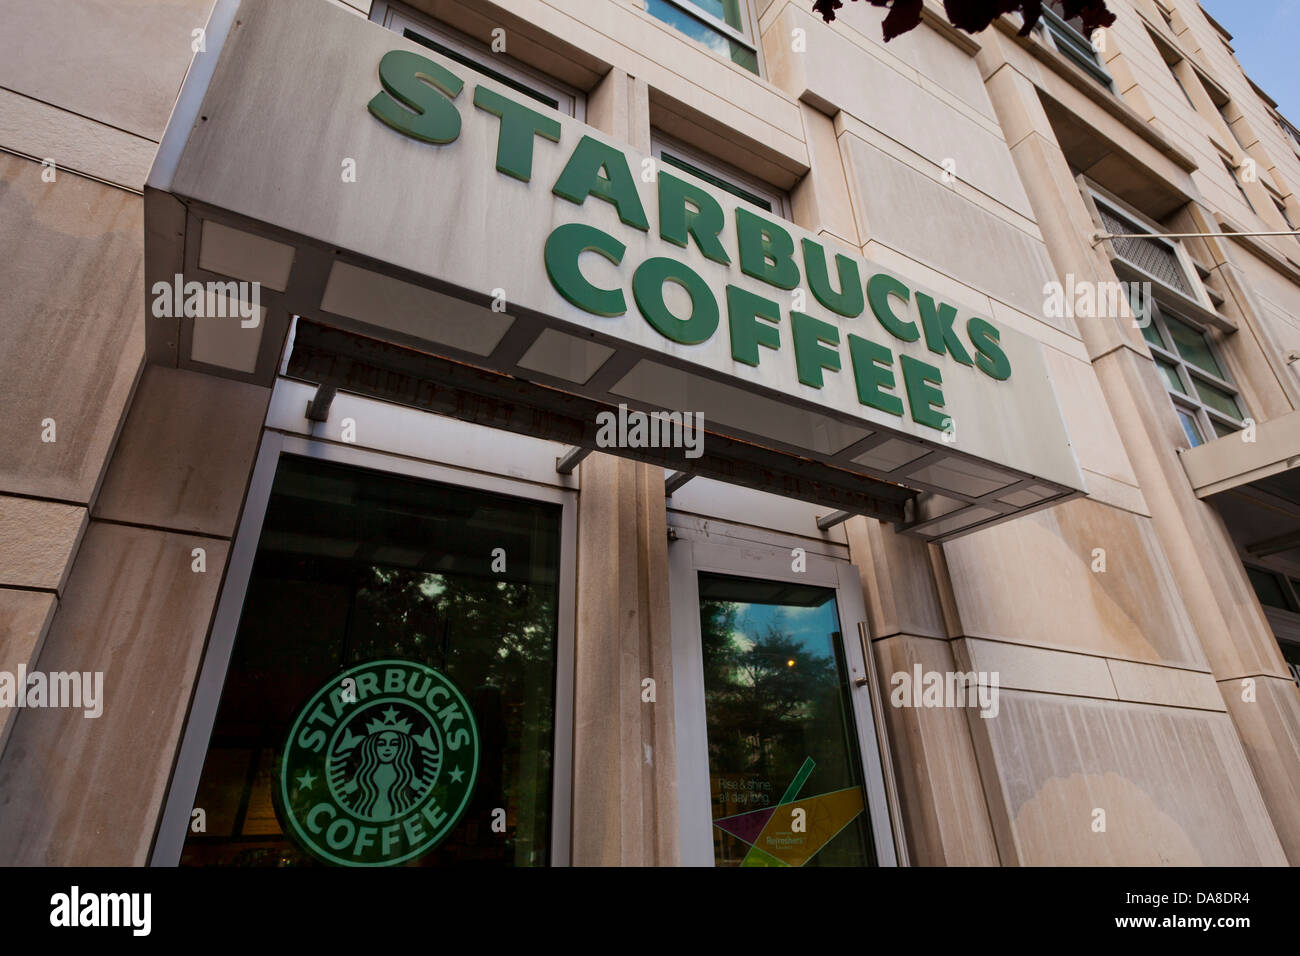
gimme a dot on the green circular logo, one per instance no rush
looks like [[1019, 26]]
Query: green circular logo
[[379, 765]]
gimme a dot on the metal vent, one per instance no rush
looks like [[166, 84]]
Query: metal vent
[[1152, 256]]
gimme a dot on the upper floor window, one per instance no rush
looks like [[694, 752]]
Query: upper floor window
[[679, 156], [1173, 60], [1206, 400], [478, 57], [1156, 257], [1236, 181], [724, 26], [1068, 39], [1279, 591], [1292, 134], [1282, 211]]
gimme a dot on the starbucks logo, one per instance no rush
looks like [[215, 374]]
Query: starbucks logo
[[379, 765]]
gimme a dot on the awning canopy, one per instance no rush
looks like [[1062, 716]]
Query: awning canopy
[[458, 271]]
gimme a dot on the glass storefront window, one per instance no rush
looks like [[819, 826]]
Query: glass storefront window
[[356, 565], [785, 777]]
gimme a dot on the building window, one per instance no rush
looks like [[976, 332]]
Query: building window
[[1207, 403], [1173, 60], [724, 26], [1272, 589], [1154, 256], [522, 79], [1282, 211], [1223, 115], [1068, 39], [1236, 181], [355, 566], [681, 157], [1292, 134], [1279, 592]]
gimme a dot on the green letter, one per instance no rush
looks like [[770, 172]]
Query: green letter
[[848, 301], [702, 223], [872, 370], [992, 361], [563, 246], [760, 240], [937, 322], [430, 116], [879, 288], [747, 333], [581, 178], [518, 126], [648, 290], [923, 398], [810, 355]]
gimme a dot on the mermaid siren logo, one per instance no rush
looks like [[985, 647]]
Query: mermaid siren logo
[[379, 765]]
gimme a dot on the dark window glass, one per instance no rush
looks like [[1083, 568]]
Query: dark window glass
[[781, 732], [355, 565], [478, 67], [1268, 588], [738, 191]]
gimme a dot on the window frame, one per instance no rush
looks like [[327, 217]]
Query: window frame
[[385, 453], [746, 37], [1236, 181], [1071, 44], [1199, 302], [661, 142], [1190, 401], [396, 17], [1283, 619]]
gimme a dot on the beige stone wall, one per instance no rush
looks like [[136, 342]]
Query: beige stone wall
[[77, 592], [1120, 687]]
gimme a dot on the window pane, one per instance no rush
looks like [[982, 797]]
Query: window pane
[[728, 11], [1222, 430], [1193, 346], [735, 190], [355, 566], [473, 64], [781, 731], [1170, 374], [1268, 588], [1151, 333], [698, 30], [1153, 256], [1190, 428], [1217, 398]]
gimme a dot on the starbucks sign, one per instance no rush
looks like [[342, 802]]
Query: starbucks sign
[[379, 765]]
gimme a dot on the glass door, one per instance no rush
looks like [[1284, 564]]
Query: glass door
[[778, 764], [390, 694]]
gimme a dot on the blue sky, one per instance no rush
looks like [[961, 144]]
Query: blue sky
[[1266, 36]]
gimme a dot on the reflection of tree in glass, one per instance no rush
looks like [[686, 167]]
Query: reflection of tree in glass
[[484, 633], [774, 699], [764, 713]]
